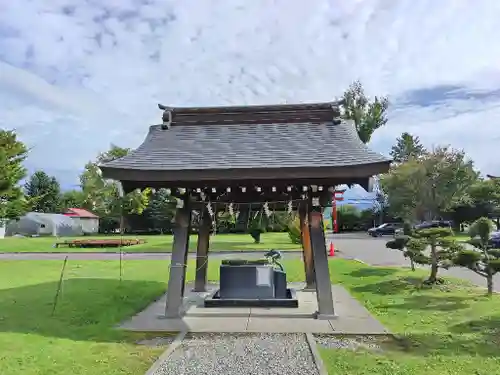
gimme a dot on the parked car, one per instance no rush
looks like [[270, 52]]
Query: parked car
[[427, 225], [433, 224], [384, 229], [495, 240]]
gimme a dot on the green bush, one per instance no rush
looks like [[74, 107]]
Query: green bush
[[349, 217], [294, 231], [397, 243]]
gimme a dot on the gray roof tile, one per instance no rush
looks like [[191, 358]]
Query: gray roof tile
[[249, 145]]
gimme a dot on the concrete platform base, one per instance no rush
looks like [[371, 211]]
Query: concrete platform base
[[214, 300], [351, 317]]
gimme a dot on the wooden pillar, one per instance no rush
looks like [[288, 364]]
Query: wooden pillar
[[178, 262], [202, 252], [307, 249], [322, 272]]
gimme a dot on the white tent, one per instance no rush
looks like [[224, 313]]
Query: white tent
[[42, 224], [2, 229]]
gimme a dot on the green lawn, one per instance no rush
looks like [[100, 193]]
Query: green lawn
[[459, 236], [79, 338], [155, 244], [452, 329]]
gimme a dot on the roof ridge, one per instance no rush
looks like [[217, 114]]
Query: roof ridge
[[277, 113], [253, 108]]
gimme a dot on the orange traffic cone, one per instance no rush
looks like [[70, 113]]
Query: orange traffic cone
[[331, 253]]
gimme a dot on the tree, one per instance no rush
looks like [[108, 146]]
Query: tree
[[381, 205], [12, 154], [103, 197], [368, 217], [423, 189], [426, 188], [71, 199], [484, 260], [400, 186], [442, 250], [225, 221], [348, 217], [407, 146], [278, 222], [413, 244], [484, 201], [99, 194], [294, 230], [257, 225], [44, 192], [410, 247], [161, 210], [367, 115]]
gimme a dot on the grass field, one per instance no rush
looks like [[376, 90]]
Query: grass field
[[154, 244], [461, 236], [452, 329]]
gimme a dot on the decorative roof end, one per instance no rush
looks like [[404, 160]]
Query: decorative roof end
[[167, 119]]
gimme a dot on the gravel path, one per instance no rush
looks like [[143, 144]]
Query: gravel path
[[241, 354]]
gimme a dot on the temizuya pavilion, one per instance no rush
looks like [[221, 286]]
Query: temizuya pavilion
[[249, 154]]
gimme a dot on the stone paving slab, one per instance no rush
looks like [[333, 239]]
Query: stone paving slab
[[352, 317]]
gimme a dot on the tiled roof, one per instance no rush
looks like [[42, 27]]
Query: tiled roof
[[225, 138], [80, 212]]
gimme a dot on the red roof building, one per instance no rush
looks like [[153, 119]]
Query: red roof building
[[86, 219], [80, 212]]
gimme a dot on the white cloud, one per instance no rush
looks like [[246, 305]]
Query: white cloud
[[77, 75]]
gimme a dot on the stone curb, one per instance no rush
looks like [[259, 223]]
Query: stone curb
[[318, 361], [360, 261], [164, 356]]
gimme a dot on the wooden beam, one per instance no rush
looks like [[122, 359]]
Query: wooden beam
[[242, 177], [178, 262], [322, 271], [202, 252], [305, 236]]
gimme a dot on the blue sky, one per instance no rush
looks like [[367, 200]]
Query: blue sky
[[78, 75]]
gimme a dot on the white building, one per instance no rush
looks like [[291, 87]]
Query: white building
[[86, 219], [42, 224]]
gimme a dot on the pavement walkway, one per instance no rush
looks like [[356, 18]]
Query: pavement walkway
[[244, 341], [352, 316]]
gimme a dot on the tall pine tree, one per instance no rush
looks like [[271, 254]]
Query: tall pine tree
[[12, 154], [407, 146], [44, 192], [161, 210]]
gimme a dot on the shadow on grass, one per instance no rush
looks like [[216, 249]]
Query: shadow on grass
[[393, 286], [88, 309], [487, 326], [373, 272], [436, 303], [452, 345]]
